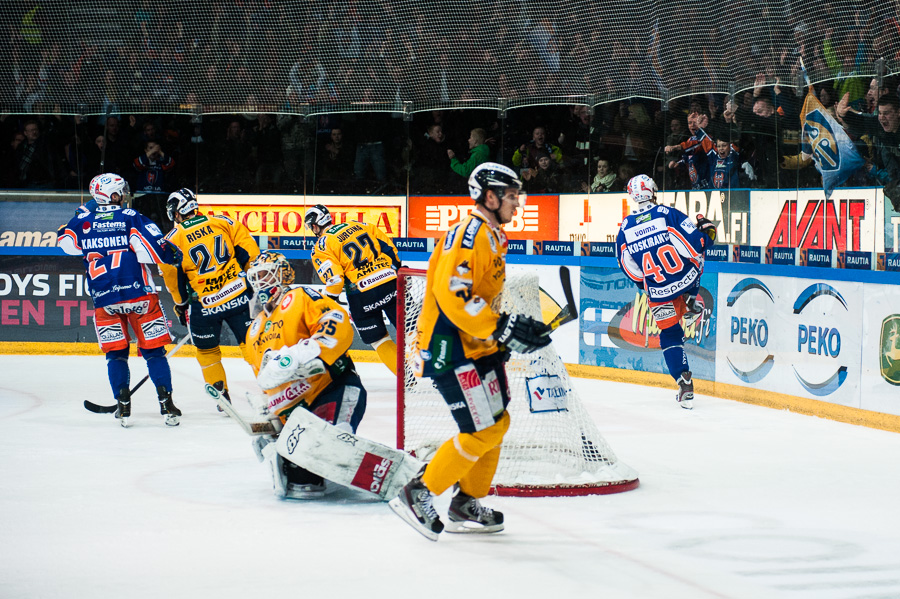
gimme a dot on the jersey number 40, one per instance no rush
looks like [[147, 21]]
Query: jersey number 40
[[666, 256]]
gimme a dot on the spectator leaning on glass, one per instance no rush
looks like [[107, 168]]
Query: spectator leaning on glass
[[885, 129]]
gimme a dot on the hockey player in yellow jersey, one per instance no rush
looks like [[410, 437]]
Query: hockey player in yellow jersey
[[297, 346], [463, 344], [361, 259], [208, 283]]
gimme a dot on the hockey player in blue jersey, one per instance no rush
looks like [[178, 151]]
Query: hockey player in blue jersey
[[661, 250], [117, 244]]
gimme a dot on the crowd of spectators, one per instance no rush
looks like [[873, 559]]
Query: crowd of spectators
[[701, 142]]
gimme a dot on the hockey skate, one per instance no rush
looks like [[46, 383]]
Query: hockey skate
[[694, 310], [220, 387], [415, 506], [167, 407], [467, 515], [123, 407], [685, 396], [302, 484]]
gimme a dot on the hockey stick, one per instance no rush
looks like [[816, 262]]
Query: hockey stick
[[251, 427], [570, 311], [101, 409]]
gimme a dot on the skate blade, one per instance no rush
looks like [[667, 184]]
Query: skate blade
[[172, 420], [305, 494], [687, 404], [399, 508], [124, 421], [466, 527]]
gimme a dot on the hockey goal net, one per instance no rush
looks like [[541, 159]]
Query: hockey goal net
[[552, 447]]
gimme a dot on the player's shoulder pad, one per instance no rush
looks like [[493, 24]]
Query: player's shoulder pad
[[470, 233], [225, 218], [312, 293]]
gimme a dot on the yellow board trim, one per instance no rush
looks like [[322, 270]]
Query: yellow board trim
[[768, 399]]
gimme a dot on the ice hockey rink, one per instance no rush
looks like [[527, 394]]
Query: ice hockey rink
[[735, 501]]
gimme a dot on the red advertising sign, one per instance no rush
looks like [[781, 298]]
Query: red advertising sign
[[431, 216]]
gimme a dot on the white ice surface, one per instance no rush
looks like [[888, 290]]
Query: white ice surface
[[735, 501]]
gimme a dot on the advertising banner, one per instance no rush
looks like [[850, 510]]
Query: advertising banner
[[287, 219], [618, 330], [597, 217], [794, 336], [891, 225], [880, 388], [33, 224], [431, 216], [805, 219]]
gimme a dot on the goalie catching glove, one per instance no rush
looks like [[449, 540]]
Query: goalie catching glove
[[299, 361], [521, 333], [707, 226]]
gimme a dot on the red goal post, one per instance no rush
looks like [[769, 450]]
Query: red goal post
[[553, 447]]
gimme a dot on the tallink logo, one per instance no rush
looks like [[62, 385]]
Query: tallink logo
[[750, 331]]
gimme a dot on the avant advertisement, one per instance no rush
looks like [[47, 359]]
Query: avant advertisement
[[618, 330], [805, 219], [801, 337], [431, 216]]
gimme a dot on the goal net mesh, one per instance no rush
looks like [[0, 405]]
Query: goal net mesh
[[325, 56], [552, 447]]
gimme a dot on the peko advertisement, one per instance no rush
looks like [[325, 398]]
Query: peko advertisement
[[618, 329], [801, 337]]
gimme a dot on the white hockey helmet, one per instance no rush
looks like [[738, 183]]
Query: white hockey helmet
[[491, 175], [317, 215], [642, 189], [109, 187], [269, 274], [181, 202]]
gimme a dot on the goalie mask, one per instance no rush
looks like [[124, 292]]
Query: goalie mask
[[269, 274], [642, 191], [319, 216], [181, 202], [109, 188]]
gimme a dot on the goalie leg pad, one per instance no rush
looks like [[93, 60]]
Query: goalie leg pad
[[455, 460], [342, 402], [345, 458]]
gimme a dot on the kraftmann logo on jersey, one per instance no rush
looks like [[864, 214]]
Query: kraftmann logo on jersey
[[890, 349]]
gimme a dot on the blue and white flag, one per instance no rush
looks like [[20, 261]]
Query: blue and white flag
[[828, 144]]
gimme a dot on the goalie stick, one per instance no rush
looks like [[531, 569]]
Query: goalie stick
[[251, 427], [569, 312], [101, 409]]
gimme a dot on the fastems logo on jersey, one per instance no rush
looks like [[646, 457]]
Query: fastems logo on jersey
[[819, 338], [634, 328], [750, 332]]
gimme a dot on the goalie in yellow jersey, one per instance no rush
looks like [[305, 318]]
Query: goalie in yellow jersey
[[463, 344], [297, 346], [360, 258], [207, 281]]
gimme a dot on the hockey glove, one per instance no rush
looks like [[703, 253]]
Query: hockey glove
[[521, 333], [181, 313], [707, 226], [299, 361]]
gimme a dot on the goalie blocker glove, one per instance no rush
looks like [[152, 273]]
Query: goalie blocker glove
[[706, 226], [522, 334]]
